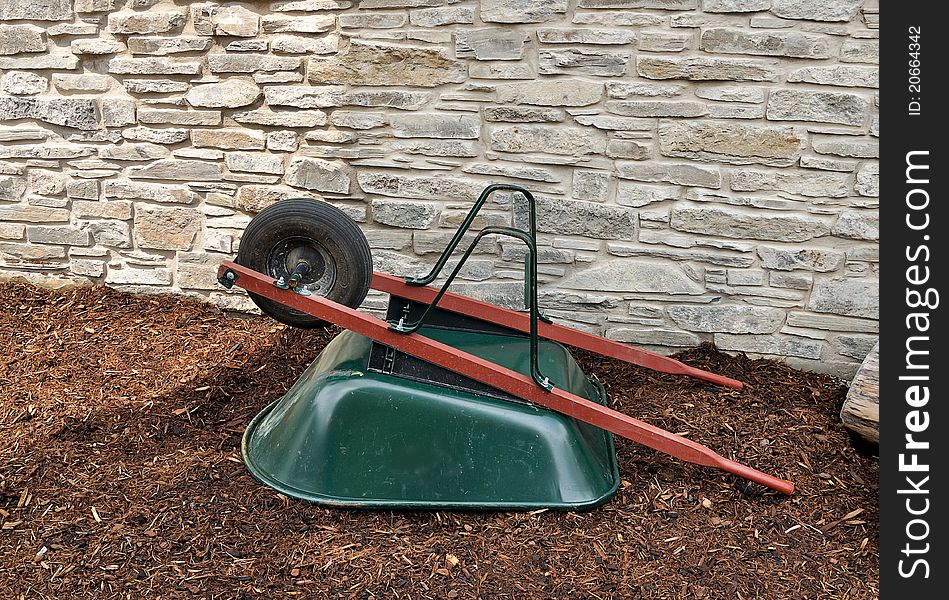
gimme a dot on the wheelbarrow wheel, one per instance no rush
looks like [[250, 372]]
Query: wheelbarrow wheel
[[317, 242]]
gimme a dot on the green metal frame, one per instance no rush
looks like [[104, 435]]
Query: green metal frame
[[529, 237]]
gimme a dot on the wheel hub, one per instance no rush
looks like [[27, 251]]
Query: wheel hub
[[306, 262]]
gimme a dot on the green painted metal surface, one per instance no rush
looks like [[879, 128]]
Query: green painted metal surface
[[349, 437]]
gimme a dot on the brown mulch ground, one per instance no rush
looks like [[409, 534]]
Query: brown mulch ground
[[120, 476]]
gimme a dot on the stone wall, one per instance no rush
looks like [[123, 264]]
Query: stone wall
[[705, 169]]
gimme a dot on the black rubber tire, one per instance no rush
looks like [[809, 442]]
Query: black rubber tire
[[305, 221]]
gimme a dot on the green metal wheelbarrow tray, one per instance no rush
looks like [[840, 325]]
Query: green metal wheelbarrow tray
[[450, 402]]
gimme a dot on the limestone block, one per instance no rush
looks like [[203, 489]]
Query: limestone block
[[630, 149], [231, 138], [279, 118], [318, 175], [254, 162], [436, 17], [111, 233], [634, 276], [771, 345], [163, 46], [149, 192], [39, 61], [115, 209], [352, 119], [282, 141], [624, 89], [731, 142], [811, 185], [21, 83], [707, 69], [97, 47], [179, 170], [656, 108], [521, 11], [82, 188], [731, 93], [166, 228], [785, 227], [858, 225], [558, 35], [252, 63], [501, 70], [227, 94], [583, 60], [151, 22], [435, 125], [868, 180], [817, 10], [546, 138], [166, 135], [617, 18], [171, 116], [637, 195], [154, 86], [521, 114], [152, 66], [592, 186], [559, 92], [276, 23], [254, 198], [768, 43], [132, 276], [490, 44], [728, 318], [735, 6], [840, 75], [303, 44], [660, 41], [825, 107], [85, 82], [133, 152], [851, 147], [64, 29], [574, 217], [820, 260], [29, 253], [12, 188], [371, 20], [197, 270], [59, 234], [77, 113], [17, 39], [678, 174], [405, 214], [860, 51], [118, 112], [377, 64], [42, 10], [398, 185], [234, 21], [848, 297], [653, 336]]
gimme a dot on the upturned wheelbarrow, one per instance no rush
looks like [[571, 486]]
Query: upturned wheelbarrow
[[450, 402]]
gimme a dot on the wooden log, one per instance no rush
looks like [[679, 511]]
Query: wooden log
[[861, 410]]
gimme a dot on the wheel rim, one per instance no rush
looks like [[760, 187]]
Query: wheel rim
[[284, 257]]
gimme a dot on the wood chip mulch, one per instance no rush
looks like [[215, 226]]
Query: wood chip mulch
[[121, 477]]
